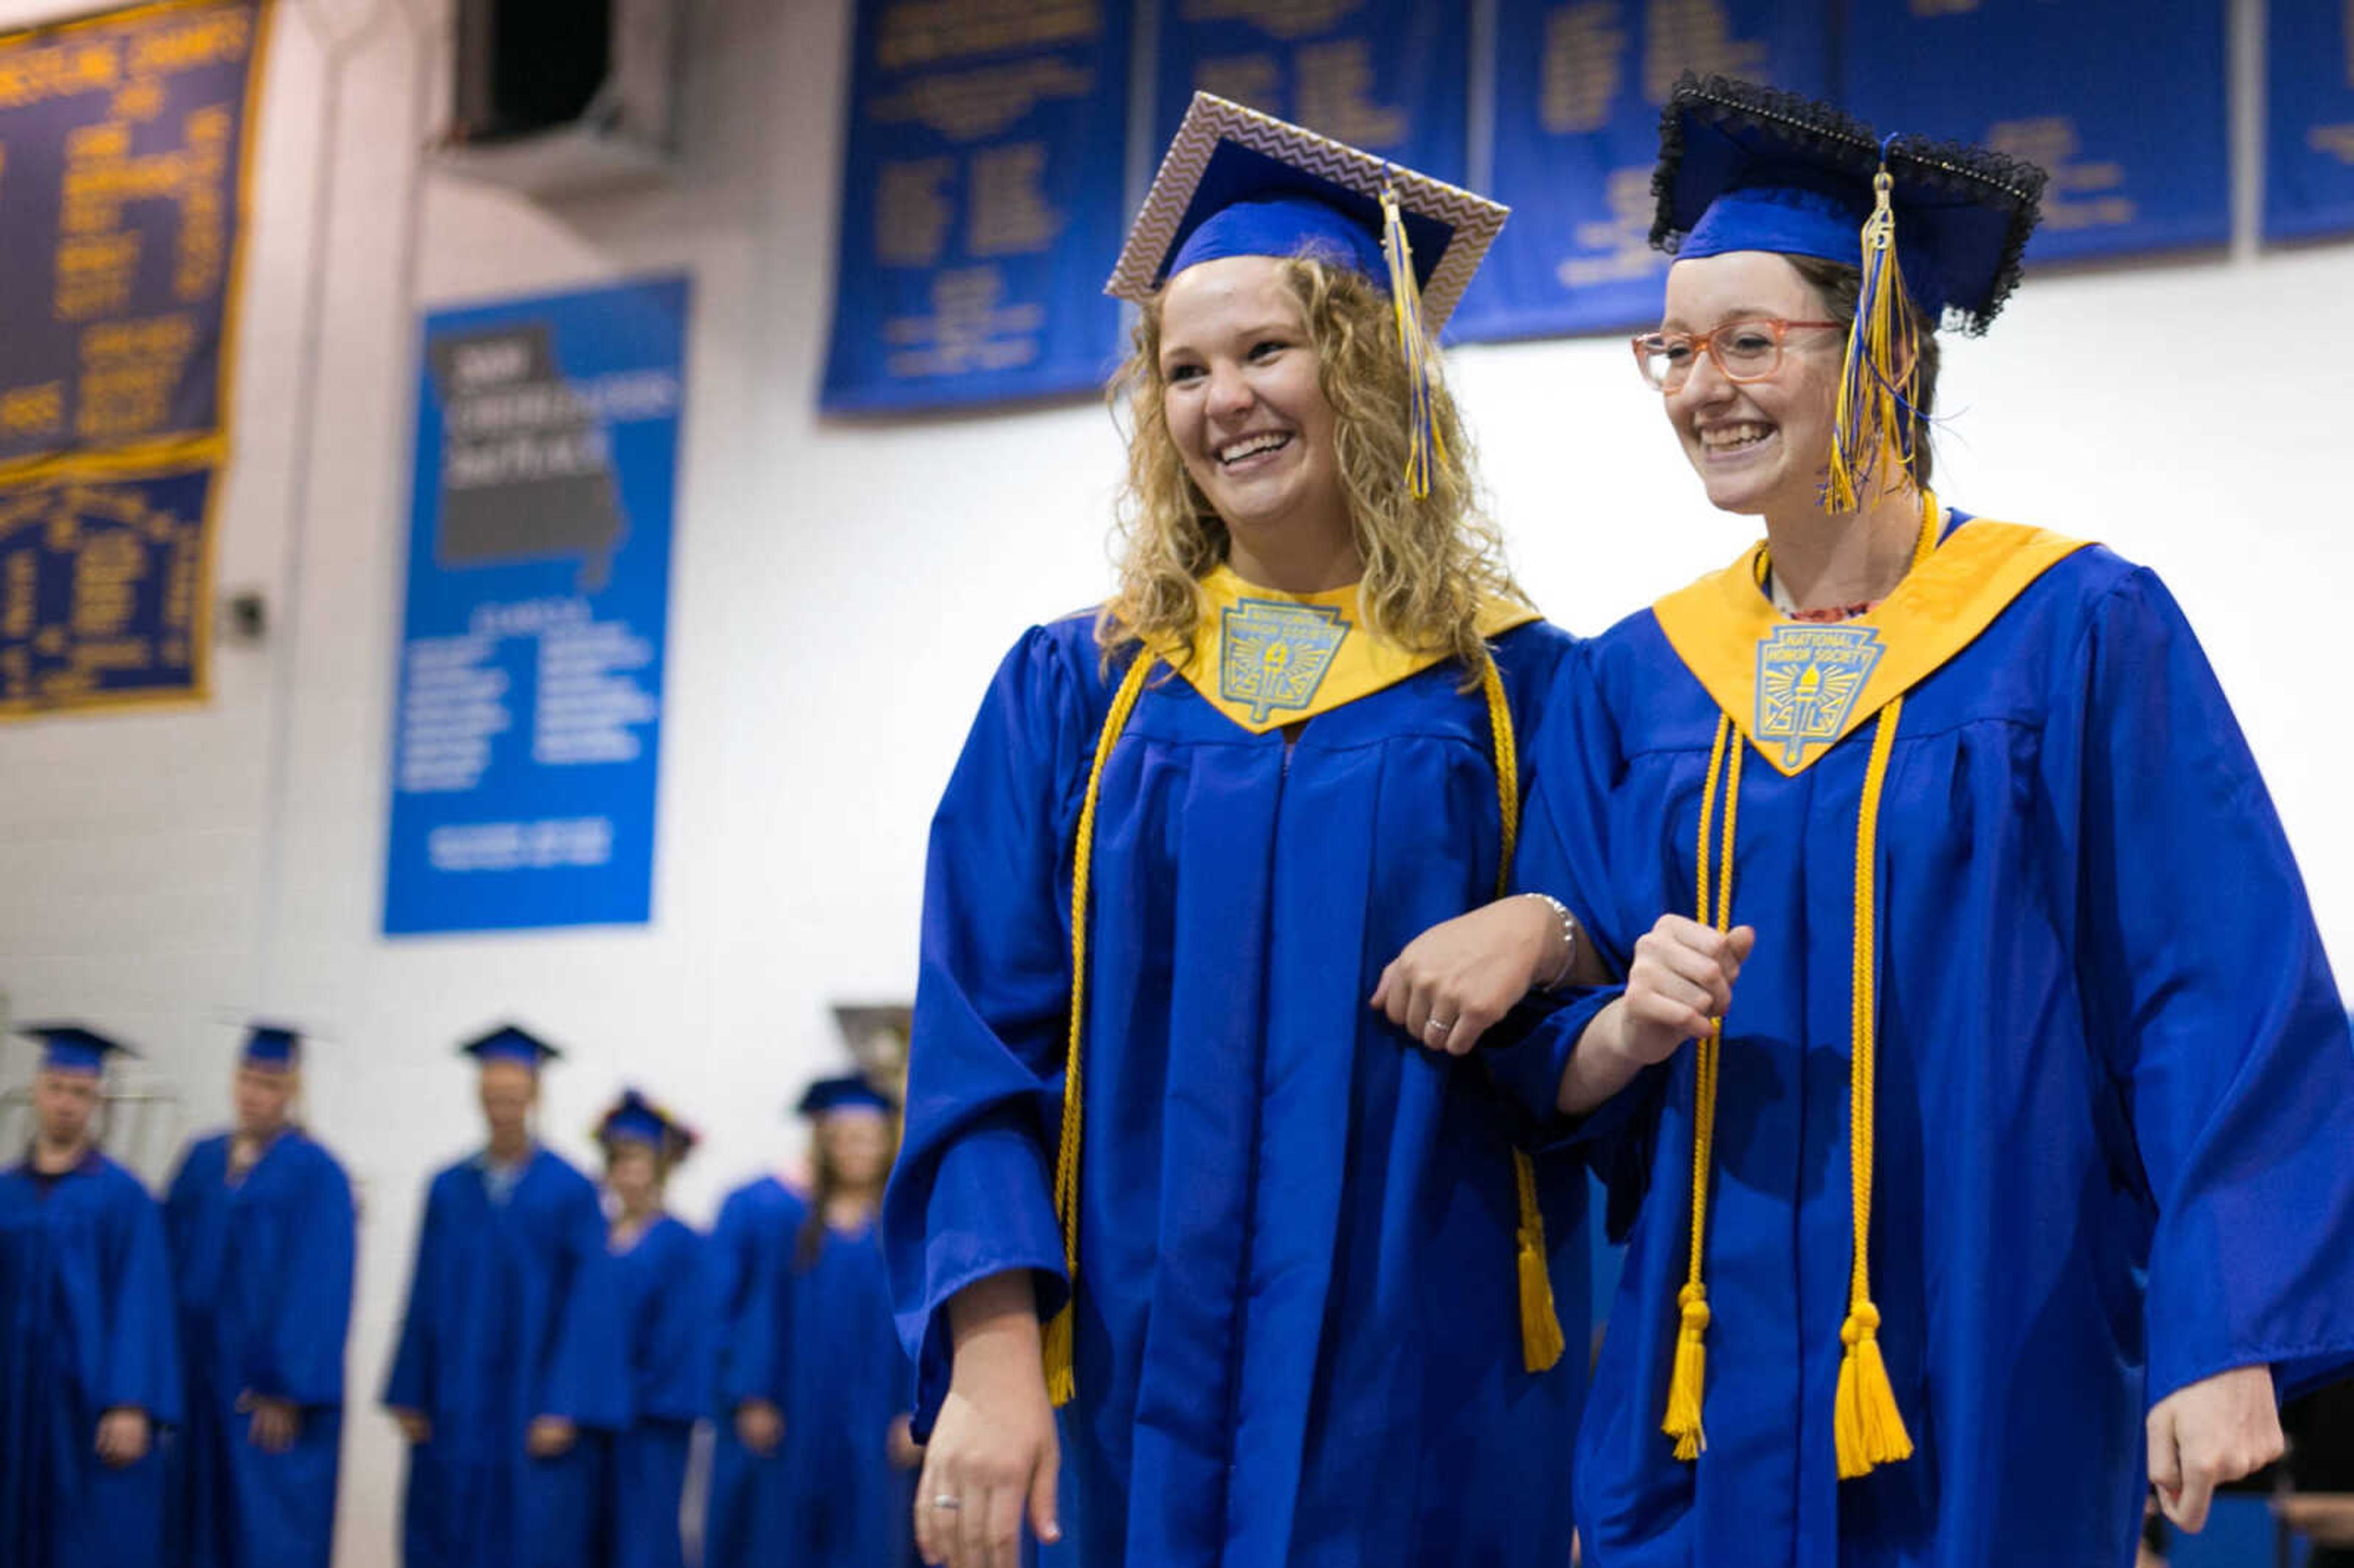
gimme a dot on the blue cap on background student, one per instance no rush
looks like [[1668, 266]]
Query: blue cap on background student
[[74, 1047], [511, 1042], [635, 1118]]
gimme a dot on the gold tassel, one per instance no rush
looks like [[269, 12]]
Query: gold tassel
[[1865, 1423], [1541, 1338], [1690, 1373], [1062, 1381], [1877, 415], [1425, 443]]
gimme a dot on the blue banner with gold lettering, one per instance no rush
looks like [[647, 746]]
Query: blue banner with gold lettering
[[1389, 75], [105, 589], [529, 720], [1579, 87], [2309, 144], [981, 203], [124, 144], [2122, 101]]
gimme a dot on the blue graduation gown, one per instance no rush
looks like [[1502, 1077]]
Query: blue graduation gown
[[1297, 1334], [85, 1328], [846, 1381], [2115, 1114], [512, 1315], [746, 1522], [264, 1272], [662, 1302]]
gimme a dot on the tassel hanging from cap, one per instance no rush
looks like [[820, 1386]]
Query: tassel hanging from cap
[[1425, 443], [1877, 418]]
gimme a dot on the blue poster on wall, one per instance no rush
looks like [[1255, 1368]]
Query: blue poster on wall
[[125, 140], [2121, 101], [1391, 76], [2310, 99], [1579, 87], [528, 725], [981, 203]]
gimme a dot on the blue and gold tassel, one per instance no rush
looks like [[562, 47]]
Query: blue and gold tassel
[[1878, 416], [1425, 443]]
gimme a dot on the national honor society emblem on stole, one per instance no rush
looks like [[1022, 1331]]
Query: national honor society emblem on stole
[[1274, 654], [1808, 678]]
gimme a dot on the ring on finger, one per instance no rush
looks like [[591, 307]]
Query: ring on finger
[[947, 1501], [1438, 1029]]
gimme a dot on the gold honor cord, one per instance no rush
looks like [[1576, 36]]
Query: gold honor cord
[[1541, 1338]]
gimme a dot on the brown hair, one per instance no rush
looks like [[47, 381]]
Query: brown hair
[[1841, 286], [1429, 564]]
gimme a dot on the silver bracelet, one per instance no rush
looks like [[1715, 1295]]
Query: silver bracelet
[[1568, 941]]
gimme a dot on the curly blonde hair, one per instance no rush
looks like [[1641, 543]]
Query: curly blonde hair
[[1429, 564]]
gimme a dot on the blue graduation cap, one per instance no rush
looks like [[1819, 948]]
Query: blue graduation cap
[[74, 1047], [635, 1119], [830, 1095], [511, 1042], [276, 1045], [1745, 167], [1236, 182]]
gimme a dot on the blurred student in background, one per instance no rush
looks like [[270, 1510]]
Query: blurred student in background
[[260, 1226], [88, 1370]]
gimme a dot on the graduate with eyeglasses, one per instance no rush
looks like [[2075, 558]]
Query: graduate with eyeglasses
[[260, 1223], [1978, 1105], [1299, 1289], [90, 1369], [664, 1303], [511, 1347]]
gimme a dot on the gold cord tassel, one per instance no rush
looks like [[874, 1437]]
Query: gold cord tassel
[[1541, 1338], [1425, 443], [1060, 1347], [1687, 1379], [1866, 1426], [1877, 415]]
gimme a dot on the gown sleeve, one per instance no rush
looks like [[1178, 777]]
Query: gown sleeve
[[410, 1385], [973, 1194], [588, 1381], [675, 1369], [759, 1324], [140, 1370], [2206, 989], [300, 1356]]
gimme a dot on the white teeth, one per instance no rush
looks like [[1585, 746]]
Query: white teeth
[[1726, 438], [1252, 446]]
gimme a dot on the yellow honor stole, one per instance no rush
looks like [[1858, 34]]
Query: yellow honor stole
[[1267, 658], [1793, 690]]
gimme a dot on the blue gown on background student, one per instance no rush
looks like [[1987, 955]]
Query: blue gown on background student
[[85, 1328], [745, 1519], [662, 1297], [263, 1271], [512, 1315], [846, 1381], [2115, 1089], [1299, 1335]]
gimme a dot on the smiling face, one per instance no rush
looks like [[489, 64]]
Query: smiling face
[[1244, 407], [1760, 447]]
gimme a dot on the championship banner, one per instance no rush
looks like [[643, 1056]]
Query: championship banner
[[982, 203], [1391, 76], [531, 669], [2122, 101], [124, 151], [1579, 87], [105, 589], [2309, 143]]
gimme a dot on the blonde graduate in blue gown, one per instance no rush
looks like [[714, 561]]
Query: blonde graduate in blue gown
[[260, 1222], [1292, 1283], [90, 1369], [510, 1351], [1979, 1105], [663, 1300]]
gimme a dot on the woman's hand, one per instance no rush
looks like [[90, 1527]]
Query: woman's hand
[[415, 1428], [993, 1451], [1682, 976], [550, 1437], [900, 1443], [1453, 982], [2220, 1429], [123, 1436], [759, 1426], [277, 1424]]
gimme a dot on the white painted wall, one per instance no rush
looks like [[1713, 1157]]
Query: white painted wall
[[842, 592]]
